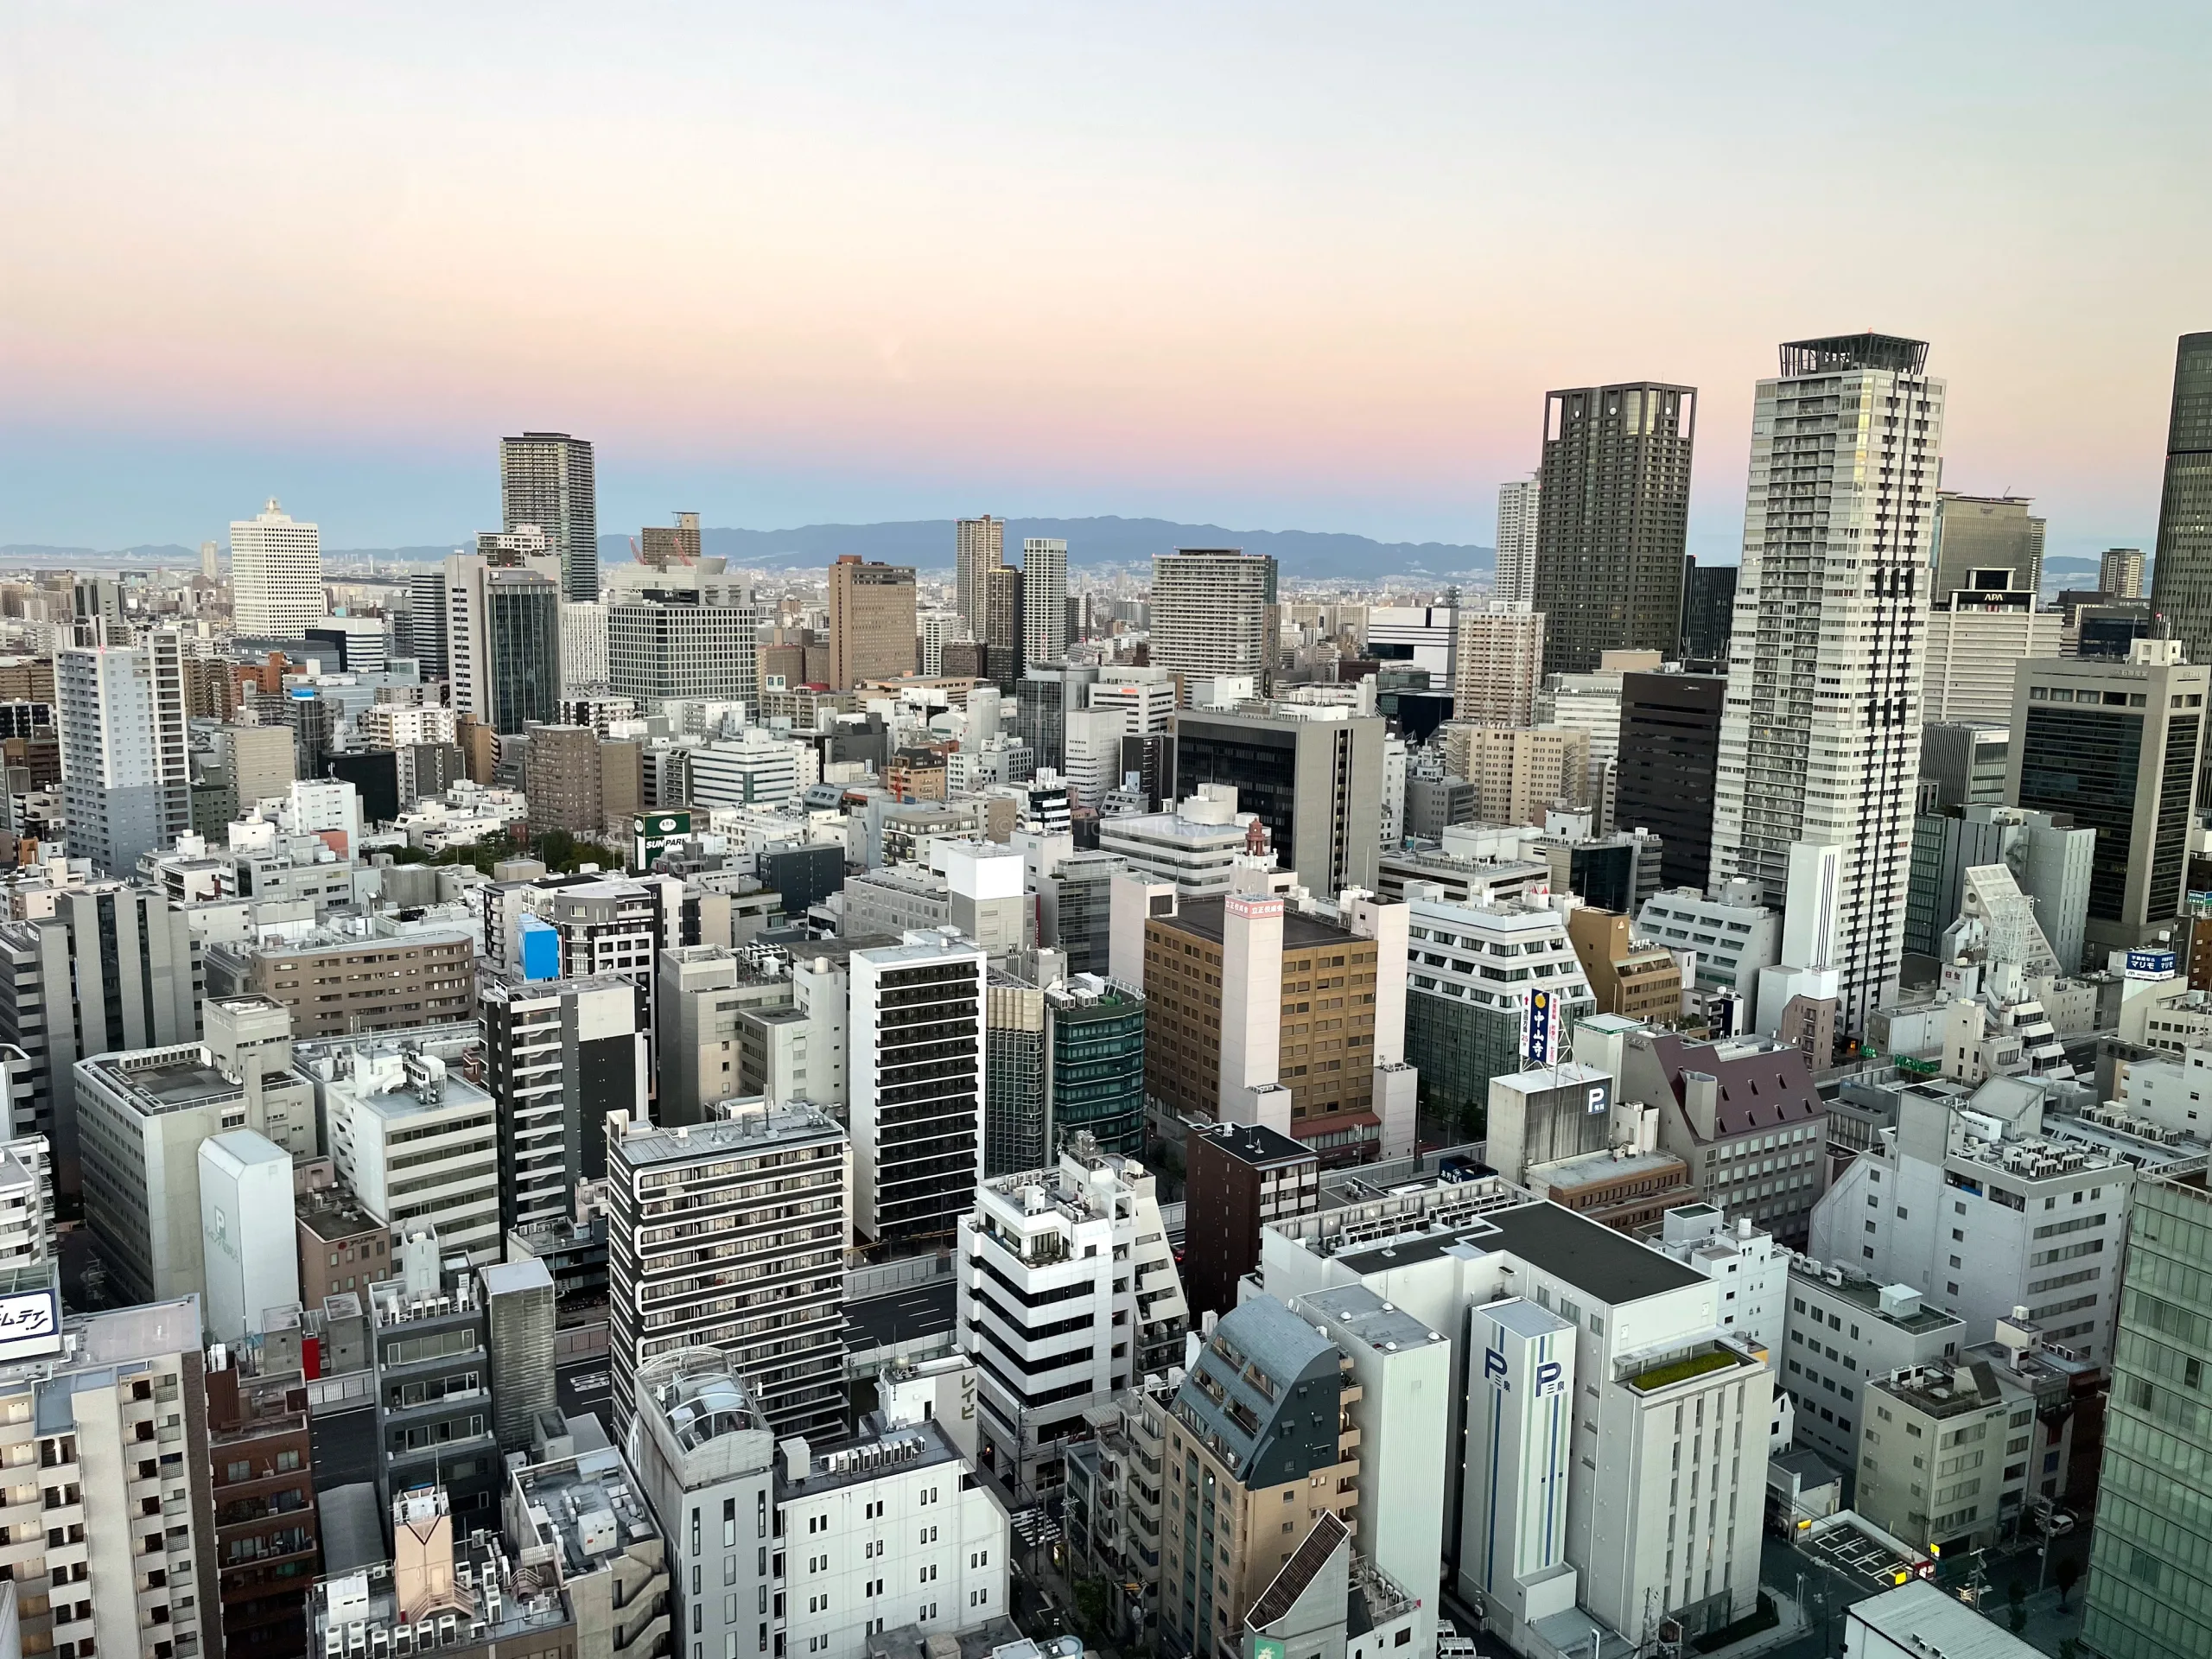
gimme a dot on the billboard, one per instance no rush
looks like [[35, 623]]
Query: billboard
[[30, 1324], [1545, 1017], [651, 831], [2151, 964]]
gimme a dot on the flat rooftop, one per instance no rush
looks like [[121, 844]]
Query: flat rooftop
[[183, 1079], [1202, 918], [1384, 1326], [1865, 1295], [1612, 1268], [586, 1506], [916, 1446], [747, 1132]]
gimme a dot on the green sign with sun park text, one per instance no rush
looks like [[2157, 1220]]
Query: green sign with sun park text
[[651, 831]]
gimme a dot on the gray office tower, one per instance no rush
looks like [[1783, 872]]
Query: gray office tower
[[545, 478], [426, 623], [1612, 513], [1316, 783], [2181, 576]]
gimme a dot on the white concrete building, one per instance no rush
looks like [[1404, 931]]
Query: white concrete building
[[249, 1243], [1145, 696], [1044, 599], [401, 725], [1973, 650], [275, 575], [583, 646], [1500, 664], [759, 770], [889, 1530], [916, 1076], [1516, 540], [1067, 1292], [126, 771], [1846, 446], [417, 1143], [1973, 1205], [1843, 1330], [1733, 936], [1752, 1272], [1213, 613], [1591, 703], [1404, 1415], [1419, 636], [1639, 1494], [1195, 847]]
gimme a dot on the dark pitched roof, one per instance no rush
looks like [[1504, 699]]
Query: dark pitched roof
[[1767, 1088]]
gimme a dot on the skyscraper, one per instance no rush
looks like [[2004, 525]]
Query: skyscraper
[[872, 631], [1612, 513], [126, 777], [1670, 743], [546, 480], [502, 636], [1708, 611], [1989, 542], [426, 623], [979, 547], [2149, 1591], [1044, 599], [2181, 576], [1517, 505], [1213, 611], [275, 575], [1001, 632], [1819, 738], [2120, 573]]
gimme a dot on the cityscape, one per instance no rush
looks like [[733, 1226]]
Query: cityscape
[[660, 1087]]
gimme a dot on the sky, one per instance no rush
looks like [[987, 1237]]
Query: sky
[[1282, 265]]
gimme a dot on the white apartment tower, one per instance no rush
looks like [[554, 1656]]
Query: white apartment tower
[[1044, 599], [1500, 664], [275, 575], [126, 780], [546, 480], [1213, 612], [979, 546], [1819, 738], [1516, 541]]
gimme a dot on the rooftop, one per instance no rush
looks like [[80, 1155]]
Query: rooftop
[[1918, 1618], [1257, 1144], [1865, 1295], [1202, 918], [1946, 1391], [1384, 1326], [914, 1445], [587, 1508], [164, 1080], [749, 1126]]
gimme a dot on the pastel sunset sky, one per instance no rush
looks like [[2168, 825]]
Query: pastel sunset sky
[[1278, 266]]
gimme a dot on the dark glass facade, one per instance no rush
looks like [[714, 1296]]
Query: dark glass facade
[[1261, 763], [1611, 520], [1670, 753], [2084, 762], [1709, 612], [927, 1096], [522, 634], [1099, 1072], [2181, 578]]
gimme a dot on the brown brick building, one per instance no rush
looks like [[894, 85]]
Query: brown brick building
[[336, 985], [342, 1246], [268, 1543], [1240, 1177], [1211, 974]]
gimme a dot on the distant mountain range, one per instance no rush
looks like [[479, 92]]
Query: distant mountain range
[[927, 544]]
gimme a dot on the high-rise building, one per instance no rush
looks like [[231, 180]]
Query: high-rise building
[[917, 1085], [1520, 772], [1612, 513], [2125, 766], [663, 545], [772, 1181], [102, 1388], [560, 1054], [583, 647], [546, 480], [1243, 1176], [426, 623], [1517, 505], [1044, 599], [1986, 544], [2181, 574], [412, 1138], [2150, 1593], [126, 767], [1312, 775], [1975, 639], [1964, 764], [1062, 1302], [275, 575], [1820, 741], [503, 633], [1669, 751], [1213, 612], [1499, 662], [687, 630], [1001, 631], [1709, 612], [872, 631], [2120, 573], [978, 548]]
